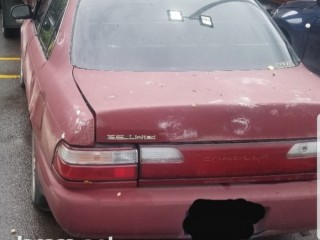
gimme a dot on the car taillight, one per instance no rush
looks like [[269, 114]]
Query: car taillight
[[303, 150], [96, 164]]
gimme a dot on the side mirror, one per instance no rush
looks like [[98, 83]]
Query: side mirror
[[21, 11]]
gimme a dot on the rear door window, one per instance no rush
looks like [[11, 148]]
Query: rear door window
[[41, 13], [51, 23]]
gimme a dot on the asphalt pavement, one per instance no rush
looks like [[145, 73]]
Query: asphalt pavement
[[19, 220]]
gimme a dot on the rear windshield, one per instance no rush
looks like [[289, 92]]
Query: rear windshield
[[176, 35]]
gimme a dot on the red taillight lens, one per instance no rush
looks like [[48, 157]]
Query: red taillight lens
[[96, 164]]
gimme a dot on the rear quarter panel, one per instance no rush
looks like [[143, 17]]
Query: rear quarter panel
[[57, 109]]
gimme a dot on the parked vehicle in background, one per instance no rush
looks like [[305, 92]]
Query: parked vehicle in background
[[300, 23], [269, 6], [10, 27], [280, 1], [272, 5], [148, 115]]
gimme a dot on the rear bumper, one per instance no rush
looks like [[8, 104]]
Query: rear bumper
[[160, 212], [97, 211]]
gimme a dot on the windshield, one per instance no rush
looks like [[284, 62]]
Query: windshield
[[176, 35]]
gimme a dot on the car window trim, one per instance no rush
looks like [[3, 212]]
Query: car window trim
[[46, 49]]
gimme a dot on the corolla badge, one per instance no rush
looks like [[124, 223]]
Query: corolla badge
[[130, 137]]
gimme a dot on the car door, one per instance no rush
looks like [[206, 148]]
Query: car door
[[30, 50], [311, 56], [39, 41]]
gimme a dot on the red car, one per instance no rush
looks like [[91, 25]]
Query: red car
[[168, 119]]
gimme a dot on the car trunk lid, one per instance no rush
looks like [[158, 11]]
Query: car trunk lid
[[201, 107], [224, 125]]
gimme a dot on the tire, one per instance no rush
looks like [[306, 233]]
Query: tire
[[37, 197], [10, 32]]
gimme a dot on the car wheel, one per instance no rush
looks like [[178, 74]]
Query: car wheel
[[37, 197], [10, 33]]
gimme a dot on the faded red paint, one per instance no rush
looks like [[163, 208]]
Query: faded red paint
[[201, 106], [191, 109]]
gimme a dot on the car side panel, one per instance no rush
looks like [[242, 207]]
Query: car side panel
[[57, 109], [30, 57]]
